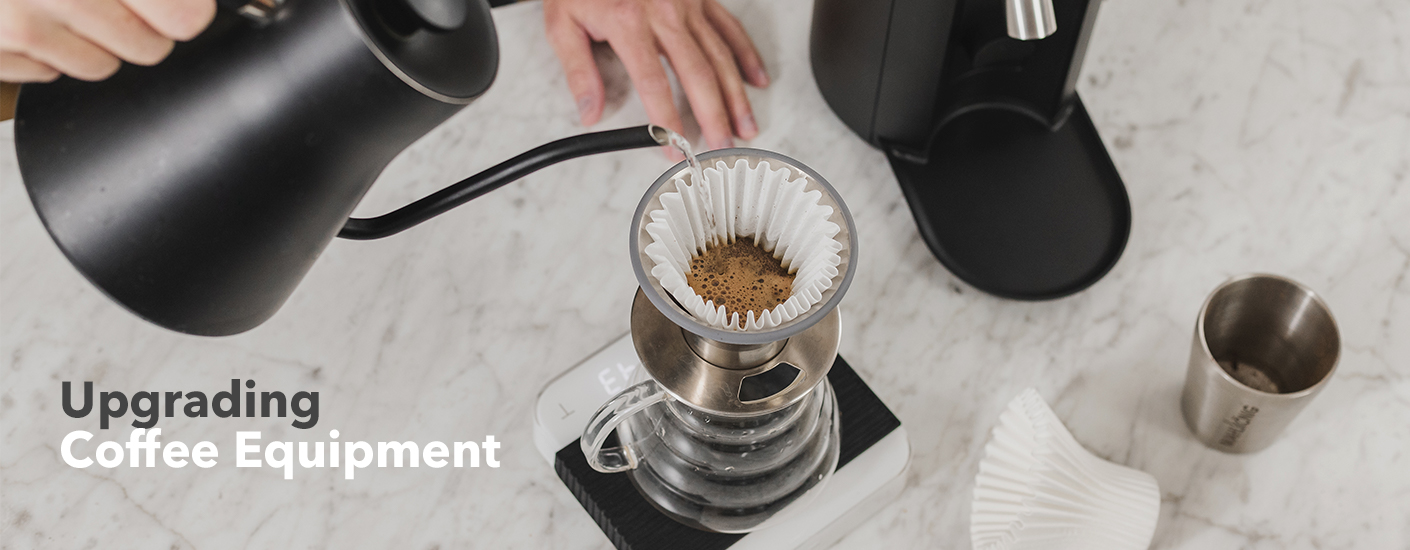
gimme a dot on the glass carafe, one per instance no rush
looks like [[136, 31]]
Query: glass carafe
[[728, 474]]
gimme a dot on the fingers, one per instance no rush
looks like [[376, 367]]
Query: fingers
[[574, 50], [711, 53], [46, 41], [731, 85], [74, 56], [635, 46], [175, 19], [750, 63], [18, 68], [696, 73], [110, 25], [88, 39]]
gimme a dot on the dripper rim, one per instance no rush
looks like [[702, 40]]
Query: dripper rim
[[682, 318]]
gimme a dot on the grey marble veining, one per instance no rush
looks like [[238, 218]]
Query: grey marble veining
[[1252, 136]]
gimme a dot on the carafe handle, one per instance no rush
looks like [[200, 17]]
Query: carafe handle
[[630, 401]]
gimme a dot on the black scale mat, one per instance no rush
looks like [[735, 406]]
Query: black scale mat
[[631, 523]]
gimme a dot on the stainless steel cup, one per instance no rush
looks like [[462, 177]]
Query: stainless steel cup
[[1263, 347]]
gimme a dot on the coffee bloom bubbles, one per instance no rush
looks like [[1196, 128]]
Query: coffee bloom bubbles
[[141, 448]]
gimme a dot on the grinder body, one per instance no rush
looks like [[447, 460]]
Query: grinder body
[[1008, 180]]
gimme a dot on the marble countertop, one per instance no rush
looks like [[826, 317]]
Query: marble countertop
[[1252, 136]]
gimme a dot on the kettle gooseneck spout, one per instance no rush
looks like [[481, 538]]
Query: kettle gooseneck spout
[[568, 148]]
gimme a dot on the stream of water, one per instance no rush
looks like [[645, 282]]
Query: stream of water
[[697, 180]]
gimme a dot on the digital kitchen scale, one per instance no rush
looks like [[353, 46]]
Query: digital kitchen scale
[[875, 454]]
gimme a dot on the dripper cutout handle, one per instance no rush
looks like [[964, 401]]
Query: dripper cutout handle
[[631, 401]]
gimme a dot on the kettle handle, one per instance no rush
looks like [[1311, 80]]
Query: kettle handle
[[401, 219], [258, 10]]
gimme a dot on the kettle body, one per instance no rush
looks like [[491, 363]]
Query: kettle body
[[199, 191]]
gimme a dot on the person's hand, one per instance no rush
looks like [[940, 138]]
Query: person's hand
[[89, 39], [708, 48]]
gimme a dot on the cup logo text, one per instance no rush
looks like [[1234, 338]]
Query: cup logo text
[[1235, 425]]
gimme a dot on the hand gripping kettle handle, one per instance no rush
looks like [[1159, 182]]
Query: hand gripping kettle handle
[[631, 401], [437, 203]]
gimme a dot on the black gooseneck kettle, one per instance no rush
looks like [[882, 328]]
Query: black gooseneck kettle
[[199, 191]]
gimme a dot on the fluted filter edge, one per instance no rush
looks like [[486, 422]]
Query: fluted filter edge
[[1038, 488]]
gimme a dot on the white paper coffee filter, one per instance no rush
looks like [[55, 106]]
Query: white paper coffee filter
[[760, 203], [1038, 488]]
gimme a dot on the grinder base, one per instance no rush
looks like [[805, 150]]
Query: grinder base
[[874, 456], [1017, 209]]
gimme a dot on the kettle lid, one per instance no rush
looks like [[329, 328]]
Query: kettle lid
[[445, 49]]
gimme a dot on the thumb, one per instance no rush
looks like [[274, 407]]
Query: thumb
[[574, 50]]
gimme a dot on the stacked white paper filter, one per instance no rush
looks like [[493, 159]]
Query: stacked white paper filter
[[1038, 488], [770, 207]]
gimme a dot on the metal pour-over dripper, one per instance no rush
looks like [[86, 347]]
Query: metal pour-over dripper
[[736, 373]]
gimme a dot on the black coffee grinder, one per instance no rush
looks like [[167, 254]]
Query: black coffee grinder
[[974, 103]]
